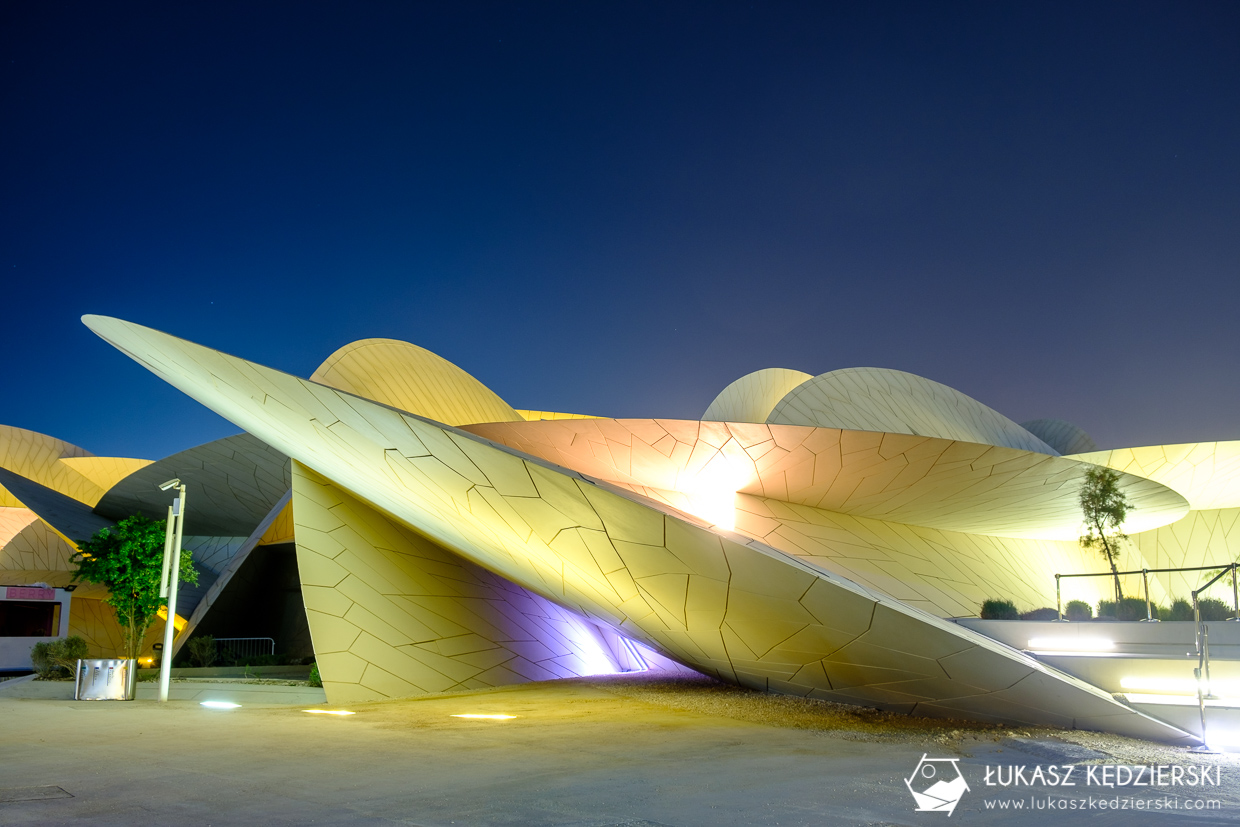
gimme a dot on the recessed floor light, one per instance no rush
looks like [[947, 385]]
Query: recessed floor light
[[220, 705], [329, 712]]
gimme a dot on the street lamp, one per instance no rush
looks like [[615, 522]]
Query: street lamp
[[170, 577]]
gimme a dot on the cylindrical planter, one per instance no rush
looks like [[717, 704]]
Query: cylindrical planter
[[106, 680]]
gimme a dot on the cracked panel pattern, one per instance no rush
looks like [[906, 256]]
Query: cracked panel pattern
[[1064, 437], [412, 379], [231, 484], [924, 481], [535, 416], [281, 528], [752, 397], [1207, 474], [878, 399], [719, 602], [1209, 537], [37, 457], [104, 472], [393, 614], [28, 543], [212, 554]]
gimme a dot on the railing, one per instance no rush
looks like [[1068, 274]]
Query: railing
[[1145, 583], [245, 647], [1202, 672]]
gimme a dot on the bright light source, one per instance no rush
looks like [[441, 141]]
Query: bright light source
[[329, 712], [1071, 644], [474, 715], [1179, 700], [178, 622], [1183, 686], [220, 705], [1227, 739], [712, 492]]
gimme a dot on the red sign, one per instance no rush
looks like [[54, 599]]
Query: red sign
[[30, 593]]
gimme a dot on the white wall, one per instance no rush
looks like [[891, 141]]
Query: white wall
[[15, 651]]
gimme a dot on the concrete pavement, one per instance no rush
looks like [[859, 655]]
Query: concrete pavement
[[584, 753]]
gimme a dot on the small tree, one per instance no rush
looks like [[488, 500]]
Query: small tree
[[1104, 508], [127, 559]]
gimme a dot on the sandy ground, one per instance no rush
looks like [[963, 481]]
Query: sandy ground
[[601, 752]]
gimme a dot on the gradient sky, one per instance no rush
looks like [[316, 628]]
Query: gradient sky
[[619, 208]]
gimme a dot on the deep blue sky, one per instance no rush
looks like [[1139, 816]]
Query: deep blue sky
[[619, 208]]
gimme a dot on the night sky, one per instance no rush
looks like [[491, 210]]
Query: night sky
[[619, 208]]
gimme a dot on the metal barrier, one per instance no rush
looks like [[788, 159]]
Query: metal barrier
[[1145, 583], [245, 647], [111, 679]]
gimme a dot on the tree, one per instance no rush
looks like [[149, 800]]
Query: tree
[[128, 560], [1104, 508]]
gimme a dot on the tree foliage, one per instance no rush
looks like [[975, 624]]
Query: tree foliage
[[127, 559], [1104, 508]]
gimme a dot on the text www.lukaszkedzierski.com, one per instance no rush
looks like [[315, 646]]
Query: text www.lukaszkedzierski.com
[[1092, 803]]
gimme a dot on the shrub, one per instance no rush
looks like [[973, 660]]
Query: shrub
[[1180, 609], [51, 657], [314, 679], [259, 660], [42, 661], [1212, 608], [66, 652], [1078, 610], [999, 610], [1130, 608], [202, 650], [1106, 609], [1040, 614]]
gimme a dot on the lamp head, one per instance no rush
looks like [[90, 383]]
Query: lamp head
[[170, 484]]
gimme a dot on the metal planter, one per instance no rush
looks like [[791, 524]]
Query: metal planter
[[106, 680]]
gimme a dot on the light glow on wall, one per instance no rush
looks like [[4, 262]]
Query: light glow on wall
[[712, 492], [1070, 644], [178, 622], [1178, 686], [1179, 700]]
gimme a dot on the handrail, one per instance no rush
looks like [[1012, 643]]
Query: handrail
[[1203, 660], [1149, 614]]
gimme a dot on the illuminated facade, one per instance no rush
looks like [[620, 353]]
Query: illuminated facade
[[810, 535]]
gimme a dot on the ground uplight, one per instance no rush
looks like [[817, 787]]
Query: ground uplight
[[329, 712], [220, 705]]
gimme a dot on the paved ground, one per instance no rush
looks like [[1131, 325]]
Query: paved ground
[[584, 753]]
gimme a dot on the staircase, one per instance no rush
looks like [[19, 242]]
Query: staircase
[[1148, 665]]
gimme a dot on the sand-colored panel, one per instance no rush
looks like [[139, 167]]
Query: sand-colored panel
[[105, 472], [412, 379], [391, 589], [918, 480], [752, 397], [879, 399], [38, 457], [289, 414], [1207, 474]]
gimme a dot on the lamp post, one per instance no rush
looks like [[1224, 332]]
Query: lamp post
[[170, 577]]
